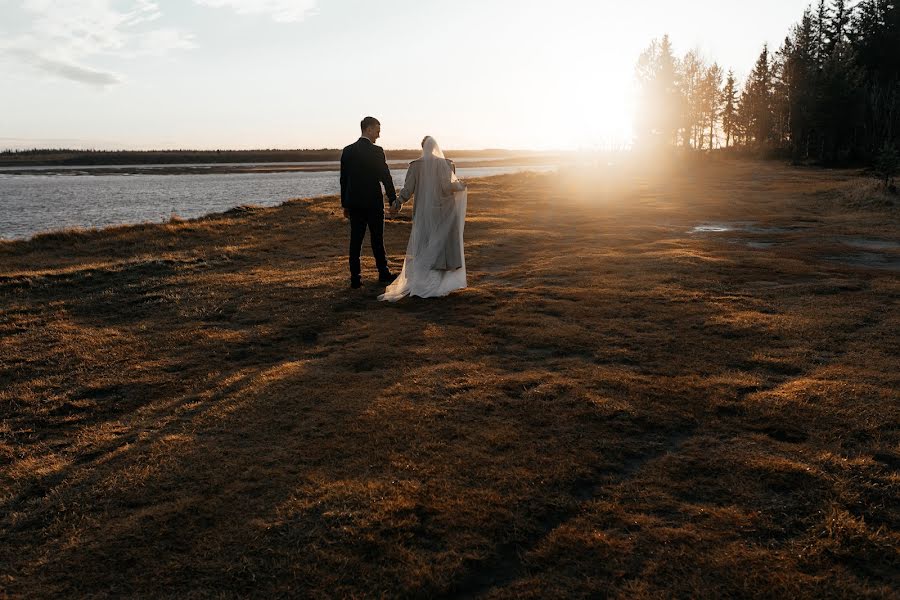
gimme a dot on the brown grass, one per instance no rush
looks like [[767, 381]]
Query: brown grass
[[615, 407]]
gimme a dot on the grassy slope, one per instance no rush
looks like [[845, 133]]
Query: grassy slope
[[614, 407]]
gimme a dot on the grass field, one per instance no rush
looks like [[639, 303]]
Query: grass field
[[671, 384]]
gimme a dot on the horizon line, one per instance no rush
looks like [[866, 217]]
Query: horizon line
[[235, 150]]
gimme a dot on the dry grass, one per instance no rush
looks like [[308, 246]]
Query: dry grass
[[616, 407]]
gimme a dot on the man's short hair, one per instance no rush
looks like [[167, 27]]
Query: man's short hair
[[368, 122]]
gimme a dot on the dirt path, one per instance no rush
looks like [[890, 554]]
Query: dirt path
[[619, 405]]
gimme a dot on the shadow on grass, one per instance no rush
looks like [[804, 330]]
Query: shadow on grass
[[611, 407]]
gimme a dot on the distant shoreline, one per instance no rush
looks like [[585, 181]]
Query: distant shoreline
[[244, 168], [85, 158]]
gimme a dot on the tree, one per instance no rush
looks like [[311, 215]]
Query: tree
[[839, 106], [782, 90], [690, 81], [836, 26], [759, 98], [830, 93], [744, 121], [659, 98], [887, 165], [711, 99], [799, 76], [729, 108], [820, 27], [875, 35]]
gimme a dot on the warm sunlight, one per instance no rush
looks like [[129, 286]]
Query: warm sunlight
[[277, 74], [590, 112], [576, 92], [449, 299]]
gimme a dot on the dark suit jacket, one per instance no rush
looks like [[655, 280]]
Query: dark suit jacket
[[363, 171]]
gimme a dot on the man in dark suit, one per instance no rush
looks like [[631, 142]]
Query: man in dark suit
[[363, 171]]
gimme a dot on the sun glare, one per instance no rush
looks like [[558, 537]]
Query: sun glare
[[589, 108]]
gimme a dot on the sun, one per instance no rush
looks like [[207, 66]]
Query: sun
[[588, 109]]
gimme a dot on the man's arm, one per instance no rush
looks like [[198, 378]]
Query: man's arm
[[409, 188], [385, 176], [345, 183], [345, 178]]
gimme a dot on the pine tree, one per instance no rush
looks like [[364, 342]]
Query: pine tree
[[690, 82], [800, 74], [820, 25], [836, 26], [759, 96], [875, 32], [729, 109], [744, 121], [712, 99], [887, 165], [782, 84], [659, 94]]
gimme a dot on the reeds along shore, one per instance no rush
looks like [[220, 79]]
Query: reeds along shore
[[619, 405]]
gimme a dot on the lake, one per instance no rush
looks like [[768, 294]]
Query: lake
[[31, 204]]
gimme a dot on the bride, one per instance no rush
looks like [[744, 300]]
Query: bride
[[435, 264]]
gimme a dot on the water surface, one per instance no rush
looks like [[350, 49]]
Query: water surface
[[31, 204]]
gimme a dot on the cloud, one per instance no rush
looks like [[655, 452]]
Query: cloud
[[282, 11], [162, 41], [66, 70], [64, 34]]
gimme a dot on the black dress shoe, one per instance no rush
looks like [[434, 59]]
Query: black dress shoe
[[387, 278], [356, 283]]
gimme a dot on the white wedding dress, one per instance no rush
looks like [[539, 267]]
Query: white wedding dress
[[435, 263]]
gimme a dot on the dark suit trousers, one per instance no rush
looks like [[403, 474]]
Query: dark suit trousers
[[373, 219]]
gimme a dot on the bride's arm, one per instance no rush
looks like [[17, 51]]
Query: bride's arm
[[409, 184], [457, 185], [448, 186]]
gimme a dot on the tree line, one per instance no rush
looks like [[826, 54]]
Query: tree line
[[75, 157], [829, 94]]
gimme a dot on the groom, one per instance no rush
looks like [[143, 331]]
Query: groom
[[363, 171]]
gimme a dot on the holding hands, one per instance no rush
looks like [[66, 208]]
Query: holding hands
[[397, 205]]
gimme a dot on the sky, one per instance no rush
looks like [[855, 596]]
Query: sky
[[206, 74]]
